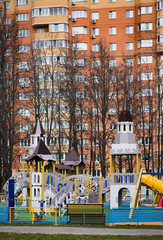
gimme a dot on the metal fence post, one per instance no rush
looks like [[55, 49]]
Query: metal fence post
[[55, 216], [31, 209], [83, 215], [137, 216]]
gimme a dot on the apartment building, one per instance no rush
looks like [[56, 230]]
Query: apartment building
[[133, 34]]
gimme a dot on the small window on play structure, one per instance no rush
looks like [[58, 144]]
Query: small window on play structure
[[38, 178], [130, 127], [38, 139], [119, 128], [34, 192], [32, 140], [38, 192], [34, 178], [124, 127]]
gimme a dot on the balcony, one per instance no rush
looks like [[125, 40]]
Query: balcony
[[49, 3], [46, 20]]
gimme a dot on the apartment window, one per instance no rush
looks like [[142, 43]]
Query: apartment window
[[145, 10], [80, 78], [160, 72], [129, 46], [147, 92], [58, 27], [58, 43], [24, 143], [145, 140], [22, 17], [95, 1], [79, 46], [112, 95], [129, 62], [81, 110], [59, 140], [95, 47], [84, 156], [40, 30], [112, 14], [145, 59], [22, 2], [81, 94], [96, 63], [23, 127], [8, 52], [112, 79], [95, 31], [95, 15], [25, 112], [112, 1], [79, 14], [159, 5], [79, 30], [24, 96], [112, 111], [145, 125], [24, 81], [112, 30], [129, 30], [145, 43], [95, 111], [8, 67], [96, 142], [24, 49], [146, 109], [23, 33], [145, 26], [82, 142], [112, 63], [160, 89], [52, 11], [8, 36], [80, 62], [129, 78], [112, 46], [96, 95], [7, 20], [81, 126], [23, 65], [7, 5], [95, 79], [160, 38], [112, 126], [129, 13], [145, 76], [95, 127]]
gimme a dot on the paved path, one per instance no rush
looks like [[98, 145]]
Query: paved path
[[77, 230]]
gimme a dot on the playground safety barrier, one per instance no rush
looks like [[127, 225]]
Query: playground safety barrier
[[33, 215]]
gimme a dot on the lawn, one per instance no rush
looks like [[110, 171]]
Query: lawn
[[20, 236]]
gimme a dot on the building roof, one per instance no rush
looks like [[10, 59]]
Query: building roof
[[125, 115], [72, 159], [38, 129], [41, 152]]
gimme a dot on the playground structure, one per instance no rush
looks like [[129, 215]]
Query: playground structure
[[44, 188]]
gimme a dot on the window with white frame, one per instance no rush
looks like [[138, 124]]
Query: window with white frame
[[112, 79], [129, 30], [58, 43], [80, 62], [80, 78], [23, 65], [95, 111], [160, 89], [95, 127], [129, 46], [7, 4], [145, 26], [81, 94], [22, 2], [96, 79], [112, 1], [8, 67], [22, 17], [112, 63], [95, 15], [23, 33], [25, 112], [96, 95], [160, 38], [145, 109], [59, 140], [8, 52], [23, 49], [146, 92], [145, 10], [84, 156], [58, 27], [96, 142], [129, 78], [112, 95], [24, 96], [129, 13], [145, 76], [145, 43], [23, 127], [145, 59], [24, 143], [112, 46], [112, 14], [95, 1], [79, 14], [112, 30], [40, 30], [49, 11], [97, 173], [95, 31], [79, 30], [112, 110], [8, 36], [23, 81], [81, 110], [159, 5], [160, 72], [112, 126], [144, 124], [95, 47], [7, 20], [96, 63], [145, 140], [79, 46], [81, 126], [82, 142], [129, 62]]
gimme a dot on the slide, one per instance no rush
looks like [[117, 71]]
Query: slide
[[152, 182], [160, 204]]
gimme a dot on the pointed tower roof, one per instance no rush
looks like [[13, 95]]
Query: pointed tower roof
[[72, 159], [38, 129], [41, 152], [125, 115]]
